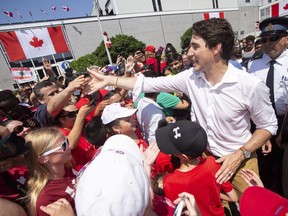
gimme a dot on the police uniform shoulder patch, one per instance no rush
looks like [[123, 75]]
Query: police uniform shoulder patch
[[257, 55]]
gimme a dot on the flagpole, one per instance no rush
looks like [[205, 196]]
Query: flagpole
[[31, 15], [20, 16], [100, 26]]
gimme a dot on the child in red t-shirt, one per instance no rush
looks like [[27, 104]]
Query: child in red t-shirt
[[186, 141]]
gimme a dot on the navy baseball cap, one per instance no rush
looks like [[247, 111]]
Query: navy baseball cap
[[274, 25], [182, 137]]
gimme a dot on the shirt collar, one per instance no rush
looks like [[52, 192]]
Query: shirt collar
[[229, 76]]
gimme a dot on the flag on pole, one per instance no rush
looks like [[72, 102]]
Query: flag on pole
[[213, 15], [22, 73], [32, 43], [107, 40], [53, 8], [66, 9], [8, 13]]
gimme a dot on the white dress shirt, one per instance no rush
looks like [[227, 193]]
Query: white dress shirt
[[223, 110], [149, 113], [260, 67]]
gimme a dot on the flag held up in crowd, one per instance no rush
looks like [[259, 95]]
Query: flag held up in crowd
[[107, 40], [22, 73]]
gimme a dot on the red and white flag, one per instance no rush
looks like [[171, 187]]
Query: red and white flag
[[213, 15], [53, 8], [66, 9], [107, 40], [279, 9], [32, 43], [8, 13], [23, 73]]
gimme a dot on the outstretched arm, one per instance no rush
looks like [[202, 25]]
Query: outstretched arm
[[231, 162]]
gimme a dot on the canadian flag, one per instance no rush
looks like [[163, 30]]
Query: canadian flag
[[279, 9], [107, 40], [31, 43], [66, 9], [22, 73], [213, 15], [8, 13]]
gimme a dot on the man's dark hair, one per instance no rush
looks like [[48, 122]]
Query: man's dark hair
[[110, 94], [95, 132], [250, 38], [215, 31], [39, 86], [174, 57]]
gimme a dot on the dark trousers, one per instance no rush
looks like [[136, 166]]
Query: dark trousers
[[270, 166], [285, 171]]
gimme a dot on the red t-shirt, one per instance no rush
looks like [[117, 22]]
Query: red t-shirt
[[163, 163], [18, 177], [56, 189], [200, 182], [83, 153]]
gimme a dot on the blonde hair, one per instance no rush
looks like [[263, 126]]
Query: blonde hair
[[39, 141]]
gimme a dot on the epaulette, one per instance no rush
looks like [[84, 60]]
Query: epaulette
[[257, 55]]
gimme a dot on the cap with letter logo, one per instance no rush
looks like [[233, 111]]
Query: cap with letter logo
[[182, 137]]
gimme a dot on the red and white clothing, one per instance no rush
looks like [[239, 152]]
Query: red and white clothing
[[83, 153], [56, 189], [200, 182]]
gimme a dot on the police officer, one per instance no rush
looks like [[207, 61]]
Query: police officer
[[272, 68]]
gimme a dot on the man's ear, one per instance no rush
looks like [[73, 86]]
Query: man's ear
[[41, 101], [183, 156], [42, 159], [217, 49]]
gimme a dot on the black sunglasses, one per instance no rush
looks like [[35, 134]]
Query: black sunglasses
[[70, 114], [18, 129], [271, 39]]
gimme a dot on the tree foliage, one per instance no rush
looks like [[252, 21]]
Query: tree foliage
[[121, 45], [83, 62], [186, 38]]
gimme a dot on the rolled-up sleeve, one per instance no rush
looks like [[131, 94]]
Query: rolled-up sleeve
[[262, 112]]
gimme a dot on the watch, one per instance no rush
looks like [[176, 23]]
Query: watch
[[246, 153]]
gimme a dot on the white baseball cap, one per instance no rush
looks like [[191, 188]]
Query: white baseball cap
[[115, 183], [114, 111]]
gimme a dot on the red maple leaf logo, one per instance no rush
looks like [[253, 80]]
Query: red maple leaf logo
[[285, 7], [35, 42]]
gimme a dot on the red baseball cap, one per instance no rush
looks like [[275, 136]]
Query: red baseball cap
[[260, 201], [150, 48]]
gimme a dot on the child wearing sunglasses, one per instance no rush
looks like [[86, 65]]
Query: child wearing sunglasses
[[50, 176]]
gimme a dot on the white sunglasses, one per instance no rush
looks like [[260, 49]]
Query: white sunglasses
[[64, 146]]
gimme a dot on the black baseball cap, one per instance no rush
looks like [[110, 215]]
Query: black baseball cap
[[182, 137]]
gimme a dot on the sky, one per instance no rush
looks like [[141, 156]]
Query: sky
[[77, 8]]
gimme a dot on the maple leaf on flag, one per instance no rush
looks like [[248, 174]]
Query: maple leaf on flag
[[35, 42]]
